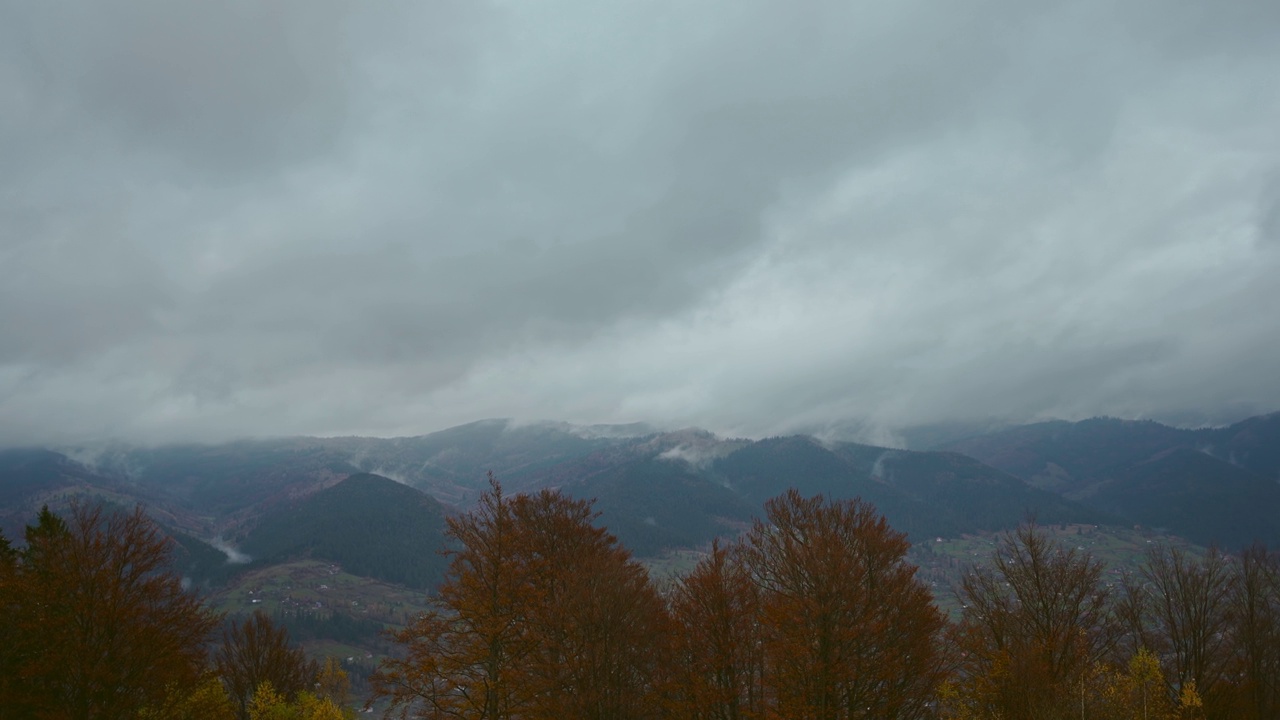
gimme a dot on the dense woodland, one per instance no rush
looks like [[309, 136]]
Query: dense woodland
[[95, 625], [370, 525], [813, 612]]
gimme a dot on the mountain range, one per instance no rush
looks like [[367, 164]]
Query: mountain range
[[1213, 485], [343, 537], [275, 499]]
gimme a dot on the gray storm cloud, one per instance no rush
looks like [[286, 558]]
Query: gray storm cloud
[[248, 218]]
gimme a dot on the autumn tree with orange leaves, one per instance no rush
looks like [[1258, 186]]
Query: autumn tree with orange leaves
[[600, 626], [848, 630], [718, 646], [1255, 608], [256, 651], [1034, 627], [814, 614], [542, 615], [96, 626], [462, 660]]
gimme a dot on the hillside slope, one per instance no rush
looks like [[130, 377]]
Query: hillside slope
[[923, 493], [370, 525], [1209, 485]]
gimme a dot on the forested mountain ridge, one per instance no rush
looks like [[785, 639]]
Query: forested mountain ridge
[[1090, 449], [370, 525], [678, 489], [925, 494], [1212, 485]]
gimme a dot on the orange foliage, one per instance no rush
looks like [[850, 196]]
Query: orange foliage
[[96, 625], [719, 646], [848, 630], [542, 615]]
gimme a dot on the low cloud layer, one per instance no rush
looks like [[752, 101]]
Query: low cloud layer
[[247, 218]]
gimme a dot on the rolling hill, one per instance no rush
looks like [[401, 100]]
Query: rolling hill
[[370, 525]]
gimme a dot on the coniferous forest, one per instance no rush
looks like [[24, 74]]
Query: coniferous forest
[[812, 612]]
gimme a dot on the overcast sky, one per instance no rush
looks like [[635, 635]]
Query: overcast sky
[[270, 217]]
